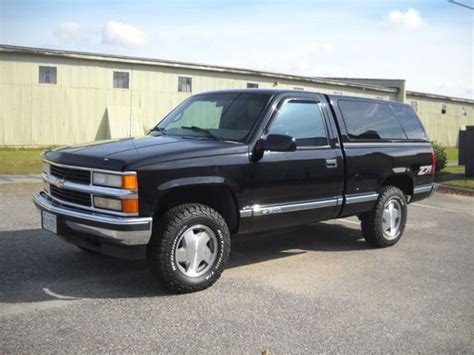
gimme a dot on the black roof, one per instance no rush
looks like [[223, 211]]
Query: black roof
[[271, 91], [254, 90]]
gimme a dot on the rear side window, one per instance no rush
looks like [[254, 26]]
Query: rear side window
[[409, 120], [301, 120], [370, 120]]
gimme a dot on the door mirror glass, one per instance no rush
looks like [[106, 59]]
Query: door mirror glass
[[277, 143]]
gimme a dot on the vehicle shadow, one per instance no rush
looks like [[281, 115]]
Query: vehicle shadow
[[36, 266], [260, 247]]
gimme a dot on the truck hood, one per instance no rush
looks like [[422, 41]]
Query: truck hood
[[121, 153]]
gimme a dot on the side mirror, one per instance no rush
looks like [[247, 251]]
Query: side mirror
[[276, 143]]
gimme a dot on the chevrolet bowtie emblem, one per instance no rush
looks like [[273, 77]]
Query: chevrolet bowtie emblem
[[59, 183]]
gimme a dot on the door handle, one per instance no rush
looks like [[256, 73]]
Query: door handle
[[331, 163]]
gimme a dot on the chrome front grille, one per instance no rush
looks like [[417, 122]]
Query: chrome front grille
[[73, 186], [76, 175], [75, 197]]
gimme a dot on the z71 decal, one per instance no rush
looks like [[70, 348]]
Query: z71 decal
[[425, 170]]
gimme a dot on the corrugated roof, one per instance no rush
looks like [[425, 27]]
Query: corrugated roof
[[343, 82], [395, 82], [177, 64], [439, 97]]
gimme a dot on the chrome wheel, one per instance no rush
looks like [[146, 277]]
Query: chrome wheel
[[196, 251], [391, 219]]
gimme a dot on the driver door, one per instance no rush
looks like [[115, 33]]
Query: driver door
[[302, 186]]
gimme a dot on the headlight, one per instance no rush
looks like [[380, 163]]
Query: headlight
[[108, 203], [126, 205], [110, 180], [128, 182], [46, 168]]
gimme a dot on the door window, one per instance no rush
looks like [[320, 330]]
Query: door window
[[302, 120]]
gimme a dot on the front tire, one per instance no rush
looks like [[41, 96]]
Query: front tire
[[189, 248], [384, 225]]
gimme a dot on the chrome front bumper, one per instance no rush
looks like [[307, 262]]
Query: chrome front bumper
[[124, 231]]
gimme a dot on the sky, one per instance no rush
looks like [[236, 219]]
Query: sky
[[427, 42]]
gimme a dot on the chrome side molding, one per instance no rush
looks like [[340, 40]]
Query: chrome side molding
[[266, 210], [424, 188], [359, 198], [293, 207], [384, 144]]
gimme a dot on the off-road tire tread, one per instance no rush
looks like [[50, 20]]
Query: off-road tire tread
[[164, 230], [371, 230]]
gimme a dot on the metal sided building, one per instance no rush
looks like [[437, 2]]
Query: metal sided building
[[52, 97]]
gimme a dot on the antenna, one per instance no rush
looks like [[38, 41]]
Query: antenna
[[459, 3]]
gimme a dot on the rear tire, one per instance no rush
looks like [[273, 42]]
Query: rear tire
[[189, 248], [384, 225]]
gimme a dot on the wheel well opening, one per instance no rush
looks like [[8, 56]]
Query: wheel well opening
[[403, 182], [219, 198]]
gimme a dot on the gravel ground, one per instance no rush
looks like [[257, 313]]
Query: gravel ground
[[312, 289]]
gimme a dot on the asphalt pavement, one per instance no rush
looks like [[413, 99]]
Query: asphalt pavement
[[311, 289]]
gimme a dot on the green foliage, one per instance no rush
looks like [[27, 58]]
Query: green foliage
[[20, 161], [465, 183], [453, 154], [454, 176], [441, 156]]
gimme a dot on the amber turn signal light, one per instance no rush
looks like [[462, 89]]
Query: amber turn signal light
[[130, 206], [129, 182]]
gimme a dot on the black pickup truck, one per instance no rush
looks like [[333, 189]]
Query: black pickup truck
[[237, 161]]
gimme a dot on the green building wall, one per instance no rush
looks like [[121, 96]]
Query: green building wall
[[83, 106]]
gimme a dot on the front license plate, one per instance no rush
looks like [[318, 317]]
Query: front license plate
[[50, 222]]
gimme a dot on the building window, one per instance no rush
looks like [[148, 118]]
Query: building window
[[298, 88], [443, 109], [185, 84], [252, 86], [414, 105], [121, 80], [464, 111], [47, 75]]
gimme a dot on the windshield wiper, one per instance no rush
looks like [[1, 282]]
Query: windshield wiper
[[159, 129], [203, 130]]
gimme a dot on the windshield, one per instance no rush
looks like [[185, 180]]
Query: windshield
[[219, 116]]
